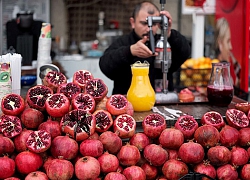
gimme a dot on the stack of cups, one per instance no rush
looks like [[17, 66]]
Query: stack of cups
[[44, 48]]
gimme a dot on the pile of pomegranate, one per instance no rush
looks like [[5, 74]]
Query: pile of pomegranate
[[72, 130]]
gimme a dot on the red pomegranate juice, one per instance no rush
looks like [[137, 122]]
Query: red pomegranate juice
[[220, 97]]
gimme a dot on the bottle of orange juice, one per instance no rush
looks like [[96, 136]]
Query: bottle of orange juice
[[141, 94]]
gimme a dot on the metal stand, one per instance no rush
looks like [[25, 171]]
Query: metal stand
[[162, 61]]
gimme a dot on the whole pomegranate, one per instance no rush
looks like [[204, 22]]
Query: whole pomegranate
[[239, 156], [134, 173], [31, 118], [207, 135], [60, 169], [245, 172], [205, 168], [115, 176], [219, 155], [171, 138], [174, 169], [140, 140], [153, 124], [37, 175], [87, 167], [229, 136], [150, 171], [244, 138], [91, 147], [27, 162], [155, 154], [20, 140], [52, 127], [191, 153], [7, 168], [128, 155], [6, 145], [227, 171], [64, 147], [108, 162], [111, 142]]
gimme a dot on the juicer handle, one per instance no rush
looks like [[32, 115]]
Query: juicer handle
[[151, 35]]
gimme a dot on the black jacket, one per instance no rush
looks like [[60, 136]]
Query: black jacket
[[116, 60]]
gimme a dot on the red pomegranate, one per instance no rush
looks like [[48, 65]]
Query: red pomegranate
[[219, 155], [91, 147], [191, 153], [81, 77], [53, 127], [31, 118], [84, 101], [227, 171], [54, 79], [70, 90], [174, 169], [213, 118], [27, 162], [244, 138], [87, 167], [10, 126], [187, 125], [155, 154], [229, 136], [37, 175], [239, 156], [117, 104], [111, 142], [140, 140], [243, 106], [124, 125], [150, 171], [172, 154], [104, 120], [171, 138], [245, 172], [60, 169], [207, 135], [108, 163], [96, 88], [115, 176], [153, 124], [38, 141], [6, 145], [237, 118], [205, 168], [64, 147], [12, 104], [7, 168], [128, 155], [134, 173], [20, 140]]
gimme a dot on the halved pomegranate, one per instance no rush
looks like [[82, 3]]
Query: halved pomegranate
[[69, 90], [12, 104], [54, 79], [37, 95], [117, 104], [153, 124], [96, 88], [124, 125], [39, 141], [213, 118], [10, 126], [237, 118], [243, 106], [187, 125], [81, 77], [79, 124], [103, 120], [57, 105], [84, 101]]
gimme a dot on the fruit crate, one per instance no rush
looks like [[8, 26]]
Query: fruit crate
[[194, 77]]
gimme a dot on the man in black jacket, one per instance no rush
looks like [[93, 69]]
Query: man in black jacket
[[126, 50]]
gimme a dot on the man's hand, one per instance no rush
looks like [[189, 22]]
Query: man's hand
[[166, 13], [141, 50]]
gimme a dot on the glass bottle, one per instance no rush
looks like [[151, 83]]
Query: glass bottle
[[220, 87], [141, 94]]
